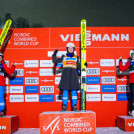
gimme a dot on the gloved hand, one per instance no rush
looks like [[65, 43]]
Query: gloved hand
[[120, 59], [55, 52], [85, 64]]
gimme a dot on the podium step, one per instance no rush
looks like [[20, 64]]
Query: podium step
[[9, 124], [126, 123], [68, 122]]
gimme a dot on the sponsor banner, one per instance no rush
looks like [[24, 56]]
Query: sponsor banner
[[93, 97], [104, 45], [18, 72], [57, 80], [93, 71], [46, 89], [96, 63], [17, 81], [16, 98], [69, 122], [46, 72], [16, 89], [47, 80], [123, 97], [107, 62], [58, 71], [31, 80], [107, 70], [46, 63], [32, 98], [18, 63], [31, 72], [31, 89], [108, 79], [6, 89], [93, 80], [95, 37], [46, 98], [108, 97], [93, 88], [123, 88], [31, 63], [108, 88], [123, 80], [25, 38]]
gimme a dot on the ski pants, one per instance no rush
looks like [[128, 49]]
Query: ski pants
[[2, 101], [65, 97]]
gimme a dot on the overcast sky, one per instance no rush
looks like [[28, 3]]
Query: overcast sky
[[68, 13]]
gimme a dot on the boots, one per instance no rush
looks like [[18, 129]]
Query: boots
[[64, 108], [2, 113], [75, 109]]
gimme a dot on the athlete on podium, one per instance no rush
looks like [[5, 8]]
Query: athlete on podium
[[69, 78], [3, 71], [129, 65]]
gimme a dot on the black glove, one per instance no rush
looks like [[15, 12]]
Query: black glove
[[55, 52], [85, 64]]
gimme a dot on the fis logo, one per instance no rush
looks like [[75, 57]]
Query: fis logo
[[53, 125]]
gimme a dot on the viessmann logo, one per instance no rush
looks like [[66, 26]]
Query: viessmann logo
[[95, 37], [131, 124], [2, 127]]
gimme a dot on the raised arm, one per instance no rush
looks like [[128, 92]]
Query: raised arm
[[8, 70], [125, 67], [55, 59]]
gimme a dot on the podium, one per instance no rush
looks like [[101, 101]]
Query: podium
[[126, 123], [9, 124], [68, 122]]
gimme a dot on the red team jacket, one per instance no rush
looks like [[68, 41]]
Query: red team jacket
[[129, 65], [3, 70]]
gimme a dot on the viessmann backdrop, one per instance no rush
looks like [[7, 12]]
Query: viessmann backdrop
[[35, 88]]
